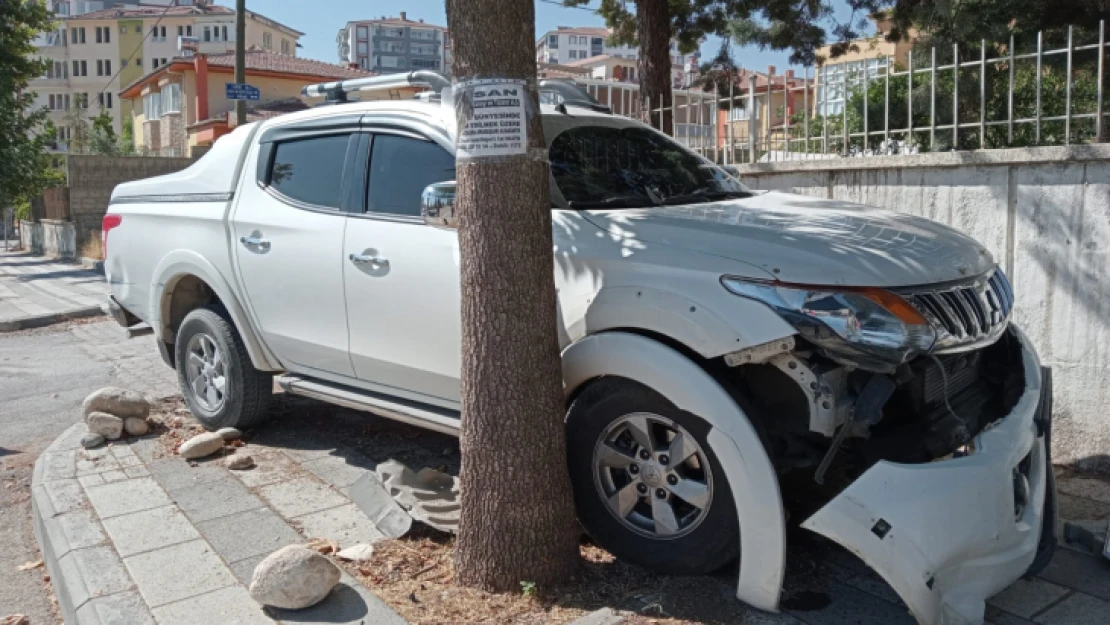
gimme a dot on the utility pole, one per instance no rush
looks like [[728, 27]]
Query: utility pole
[[240, 58]]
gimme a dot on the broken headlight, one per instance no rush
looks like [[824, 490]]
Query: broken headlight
[[869, 328]]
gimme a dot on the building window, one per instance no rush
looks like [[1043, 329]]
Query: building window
[[180, 31], [80, 68], [81, 100], [158, 33], [77, 35], [553, 41], [154, 63], [363, 48], [99, 67], [152, 106], [363, 33], [189, 30], [104, 100], [285, 46], [223, 31], [207, 34], [139, 62], [171, 98], [268, 41], [123, 63]]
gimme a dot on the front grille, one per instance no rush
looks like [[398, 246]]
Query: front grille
[[969, 313]]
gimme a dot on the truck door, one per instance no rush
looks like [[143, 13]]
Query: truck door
[[402, 276], [288, 229]]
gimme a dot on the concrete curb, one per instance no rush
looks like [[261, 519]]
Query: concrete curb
[[92, 264], [39, 321], [70, 552]]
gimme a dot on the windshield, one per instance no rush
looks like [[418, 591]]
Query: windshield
[[634, 167]]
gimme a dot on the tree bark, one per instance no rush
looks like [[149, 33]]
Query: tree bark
[[517, 522], [653, 29]]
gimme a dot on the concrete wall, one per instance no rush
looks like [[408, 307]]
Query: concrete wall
[[49, 237], [1045, 215], [92, 178]]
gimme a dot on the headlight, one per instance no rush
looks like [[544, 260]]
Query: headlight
[[866, 327]]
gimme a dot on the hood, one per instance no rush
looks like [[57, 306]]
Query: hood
[[809, 240]]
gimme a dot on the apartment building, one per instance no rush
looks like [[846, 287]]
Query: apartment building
[[94, 53], [567, 44], [180, 106], [866, 59], [394, 44]]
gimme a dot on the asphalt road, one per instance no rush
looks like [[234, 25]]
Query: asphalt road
[[44, 376]]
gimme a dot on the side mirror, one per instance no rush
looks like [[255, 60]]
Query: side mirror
[[437, 205]]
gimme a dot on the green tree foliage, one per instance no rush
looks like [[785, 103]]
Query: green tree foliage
[[127, 136], [102, 137], [25, 131], [996, 106]]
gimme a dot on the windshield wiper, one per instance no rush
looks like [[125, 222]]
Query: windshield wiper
[[704, 196], [617, 201]]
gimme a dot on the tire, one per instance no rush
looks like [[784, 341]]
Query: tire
[[245, 398], [706, 540]]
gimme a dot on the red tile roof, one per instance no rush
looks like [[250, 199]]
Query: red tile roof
[[262, 60], [259, 61]]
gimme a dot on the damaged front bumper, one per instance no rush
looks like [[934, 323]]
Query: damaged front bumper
[[947, 535]]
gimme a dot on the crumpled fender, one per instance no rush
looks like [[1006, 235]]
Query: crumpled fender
[[733, 438], [943, 534]]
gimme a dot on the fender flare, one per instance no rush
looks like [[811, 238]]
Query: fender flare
[[733, 438], [181, 263]]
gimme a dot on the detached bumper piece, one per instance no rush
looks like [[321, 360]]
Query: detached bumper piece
[[946, 535], [122, 316]]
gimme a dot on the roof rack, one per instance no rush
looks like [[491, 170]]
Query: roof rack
[[336, 92]]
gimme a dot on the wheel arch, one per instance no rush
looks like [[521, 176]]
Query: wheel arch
[[184, 281], [733, 438]]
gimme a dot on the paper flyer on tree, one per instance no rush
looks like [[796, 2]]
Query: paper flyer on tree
[[495, 122]]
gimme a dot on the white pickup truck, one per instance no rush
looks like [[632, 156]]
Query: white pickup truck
[[717, 342]]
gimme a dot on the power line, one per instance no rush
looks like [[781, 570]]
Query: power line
[[137, 48]]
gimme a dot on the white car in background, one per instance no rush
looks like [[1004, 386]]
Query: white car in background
[[716, 340]]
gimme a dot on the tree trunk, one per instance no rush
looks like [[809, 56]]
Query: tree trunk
[[517, 520], [653, 29]]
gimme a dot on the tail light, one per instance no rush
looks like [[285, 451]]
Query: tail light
[[110, 221]]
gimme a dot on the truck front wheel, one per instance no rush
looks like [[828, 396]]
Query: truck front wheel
[[219, 384], [646, 483]]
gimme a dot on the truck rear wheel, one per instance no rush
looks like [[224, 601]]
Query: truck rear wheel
[[220, 385], [646, 483]]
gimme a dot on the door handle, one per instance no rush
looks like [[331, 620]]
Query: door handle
[[365, 259], [253, 241]]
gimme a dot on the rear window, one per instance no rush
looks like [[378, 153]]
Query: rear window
[[310, 170]]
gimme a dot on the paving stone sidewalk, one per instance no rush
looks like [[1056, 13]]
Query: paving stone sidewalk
[[36, 291], [133, 536]]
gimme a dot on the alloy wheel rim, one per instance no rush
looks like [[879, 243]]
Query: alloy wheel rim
[[653, 476], [206, 372]]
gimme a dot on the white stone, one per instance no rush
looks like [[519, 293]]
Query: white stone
[[92, 439], [239, 462], [229, 434], [118, 402], [106, 425], [293, 577], [356, 553], [135, 426], [201, 445]]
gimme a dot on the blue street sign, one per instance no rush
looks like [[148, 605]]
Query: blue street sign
[[237, 91]]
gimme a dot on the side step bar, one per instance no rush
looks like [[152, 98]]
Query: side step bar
[[413, 413]]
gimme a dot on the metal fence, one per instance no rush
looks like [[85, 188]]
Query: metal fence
[[996, 94]]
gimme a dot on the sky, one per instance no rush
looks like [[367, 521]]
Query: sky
[[320, 20]]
